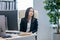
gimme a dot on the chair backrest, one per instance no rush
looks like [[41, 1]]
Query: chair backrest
[[21, 14]]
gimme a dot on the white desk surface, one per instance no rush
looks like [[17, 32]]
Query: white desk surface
[[14, 36]]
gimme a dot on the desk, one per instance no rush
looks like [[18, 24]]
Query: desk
[[17, 37]]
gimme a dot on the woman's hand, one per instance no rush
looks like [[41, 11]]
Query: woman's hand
[[25, 33]]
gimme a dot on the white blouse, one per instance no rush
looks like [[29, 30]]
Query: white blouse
[[28, 25]]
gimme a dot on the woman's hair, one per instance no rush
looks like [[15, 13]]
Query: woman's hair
[[27, 13]]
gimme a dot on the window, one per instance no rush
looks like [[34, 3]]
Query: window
[[23, 4]]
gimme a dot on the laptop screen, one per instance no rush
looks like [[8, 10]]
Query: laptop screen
[[11, 19]]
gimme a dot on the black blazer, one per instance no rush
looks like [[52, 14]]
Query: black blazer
[[33, 28]]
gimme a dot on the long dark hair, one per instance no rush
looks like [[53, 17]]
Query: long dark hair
[[27, 13]]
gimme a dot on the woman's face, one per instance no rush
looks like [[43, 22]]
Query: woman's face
[[31, 12]]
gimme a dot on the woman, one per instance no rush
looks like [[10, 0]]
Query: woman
[[29, 23]]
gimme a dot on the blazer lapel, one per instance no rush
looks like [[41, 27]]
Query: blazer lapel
[[25, 24]]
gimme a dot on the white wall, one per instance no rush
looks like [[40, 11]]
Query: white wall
[[45, 32]]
